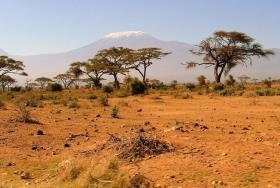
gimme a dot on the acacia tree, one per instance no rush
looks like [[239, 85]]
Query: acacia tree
[[11, 66], [65, 79], [225, 50], [143, 58], [76, 72], [43, 81], [116, 61], [6, 81], [94, 69]]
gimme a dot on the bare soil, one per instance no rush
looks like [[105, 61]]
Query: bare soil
[[218, 141]]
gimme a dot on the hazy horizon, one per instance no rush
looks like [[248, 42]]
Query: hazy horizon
[[40, 27]]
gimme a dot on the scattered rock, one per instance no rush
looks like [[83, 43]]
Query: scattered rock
[[11, 164], [40, 132], [98, 115], [224, 154], [66, 145], [230, 132], [140, 110], [25, 175], [147, 123]]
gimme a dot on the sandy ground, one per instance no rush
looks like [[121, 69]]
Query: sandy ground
[[235, 140]]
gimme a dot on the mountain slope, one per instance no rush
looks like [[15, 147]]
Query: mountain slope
[[169, 68]]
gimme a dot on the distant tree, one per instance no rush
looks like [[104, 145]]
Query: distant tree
[[244, 79], [155, 84], [201, 80], [11, 66], [254, 80], [43, 82], [116, 60], [268, 82], [6, 81], [143, 58], [94, 69], [65, 79], [225, 50], [76, 72], [173, 84]]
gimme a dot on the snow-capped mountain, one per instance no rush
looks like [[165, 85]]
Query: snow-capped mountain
[[167, 69]]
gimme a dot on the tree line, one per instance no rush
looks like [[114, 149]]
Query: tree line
[[221, 52]]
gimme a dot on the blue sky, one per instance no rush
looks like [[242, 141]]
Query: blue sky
[[47, 26]]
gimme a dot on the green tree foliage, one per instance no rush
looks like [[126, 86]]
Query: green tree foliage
[[201, 80], [116, 60], [6, 81], [11, 66], [225, 50], [43, 82], [94, 69], [65, 79], [143, 58]]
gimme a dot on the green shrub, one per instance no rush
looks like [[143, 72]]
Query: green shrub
[[55, 87], [108, 89], [115, 112], [137, 87], [16, 89], [92, 97], [103, 100], [227, 92], [230, 81], [190, 86], [217, 86], [201, 80]]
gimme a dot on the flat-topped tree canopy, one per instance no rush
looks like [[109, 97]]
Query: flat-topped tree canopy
[[11, 66], [116, 60], [225, 50], [144, 58]]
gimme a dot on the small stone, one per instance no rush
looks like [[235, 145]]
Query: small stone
[[40, 132], [230, 132], [224, 154], [147, 123], [140, 110], [34, 147], [25, 175], [69, 118], [98, 115], [66, 145], [141, 130]]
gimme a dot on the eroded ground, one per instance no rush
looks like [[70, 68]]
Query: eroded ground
[[234, 140]]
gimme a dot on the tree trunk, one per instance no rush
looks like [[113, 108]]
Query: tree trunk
[[144, 76], [117, 83], [217, 75]]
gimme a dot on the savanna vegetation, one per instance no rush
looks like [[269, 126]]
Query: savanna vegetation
[[77, 129]]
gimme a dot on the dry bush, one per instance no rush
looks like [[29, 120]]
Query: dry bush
[[142, 146], [115, 112], [183, 96], [103, 100], [137, 147], [24, 113], [250, 94], [108, 174]]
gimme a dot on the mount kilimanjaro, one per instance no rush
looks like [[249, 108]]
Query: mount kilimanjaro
[[167, 69]]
